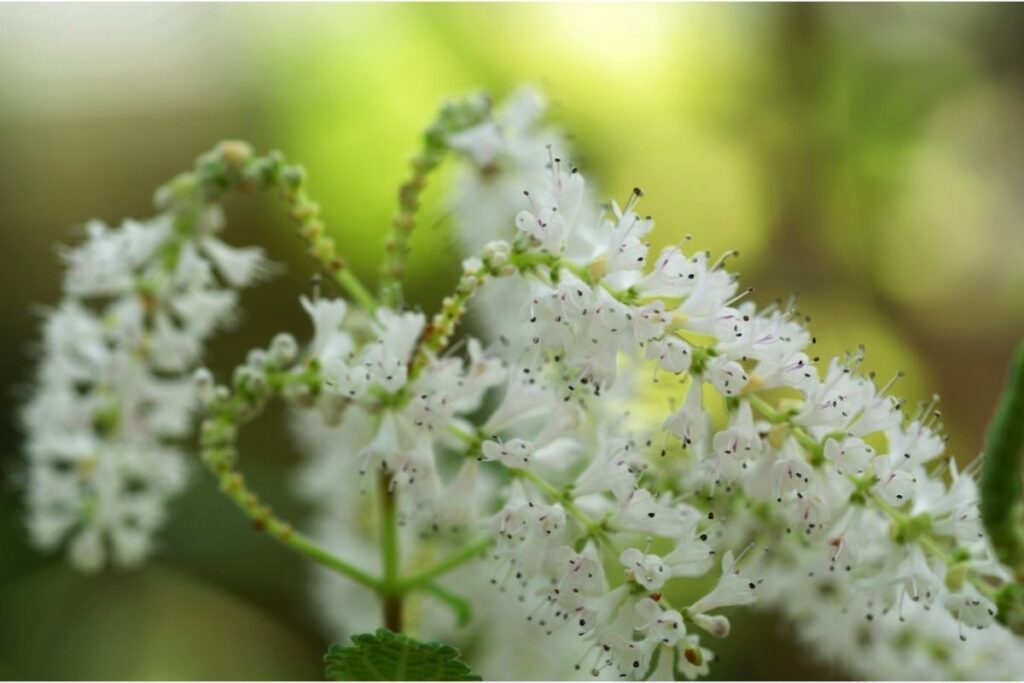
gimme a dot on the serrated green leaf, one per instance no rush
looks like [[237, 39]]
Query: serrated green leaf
[[389, 656]]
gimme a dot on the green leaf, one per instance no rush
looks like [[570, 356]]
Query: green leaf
[[1000, 475], [389, 656]]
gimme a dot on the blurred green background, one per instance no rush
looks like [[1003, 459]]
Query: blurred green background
[[871, 157]]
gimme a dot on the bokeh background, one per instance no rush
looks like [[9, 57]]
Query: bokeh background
[[870, 157]]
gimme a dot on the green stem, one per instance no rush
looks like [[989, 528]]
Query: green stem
[[452, 118], [396, 247], [233, 485], [468, 438], [540, 482], [351, 284], [460, 605], [459, 557], [219, 435], [233, 167], [799, 433], [443, 324]]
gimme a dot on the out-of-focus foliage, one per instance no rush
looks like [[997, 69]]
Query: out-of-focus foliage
[[870, 157]]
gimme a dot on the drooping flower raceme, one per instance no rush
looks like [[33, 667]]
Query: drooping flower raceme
[[772, 478], [114, 397]]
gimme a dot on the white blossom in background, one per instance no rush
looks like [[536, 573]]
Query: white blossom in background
[[114, 401]]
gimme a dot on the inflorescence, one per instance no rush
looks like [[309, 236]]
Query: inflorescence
[[800, 484]]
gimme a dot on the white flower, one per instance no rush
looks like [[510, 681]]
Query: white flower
[[674, 275], [481, 143], [664, 627], [851, 455], [483, 371], [643, 513], [554, 209], [525, 398], [74, 342], [692, 555], [710, 295], [170, 405], [971, 608], [526, 532], [329, 342], [896, 486], [106, 263], [625, 250], [690, 424], [953, 509], [239, 266], [694, 659], [672, 353], [203, 310], [649, 322], [734, 446], [512, 453], [877, 412], [613, 468], [791, 473], [114, 391], [911, 574], [733, 588], [834, 402], [578, 577], [578, 309], [914, 444], [455, 507], [647, 570], [726, 375]]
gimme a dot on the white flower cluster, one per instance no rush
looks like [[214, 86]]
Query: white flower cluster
[[822, 469], [113, 397], [396, 414], [770, 478]]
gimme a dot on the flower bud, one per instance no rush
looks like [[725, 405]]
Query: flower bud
[[283, 349], [205, 387]]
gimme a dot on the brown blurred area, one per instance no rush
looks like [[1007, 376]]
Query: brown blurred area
[[870, 157]]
